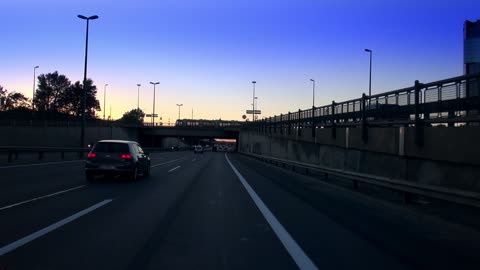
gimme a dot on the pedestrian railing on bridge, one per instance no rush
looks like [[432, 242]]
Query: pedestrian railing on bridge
[[453, 101]]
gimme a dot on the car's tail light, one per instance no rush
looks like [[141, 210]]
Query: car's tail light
[[91, 155], [126, 156]]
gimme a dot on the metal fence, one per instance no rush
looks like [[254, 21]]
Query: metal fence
[[452, 100]]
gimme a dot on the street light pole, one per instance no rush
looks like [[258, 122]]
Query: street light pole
[[84, 100], [33, 92], [138, 98], [153, 114], [370, 80], [179, 105], [104, 99], [313, 81], [253, 101]]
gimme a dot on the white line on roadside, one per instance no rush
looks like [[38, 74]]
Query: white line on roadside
[[156, 165], [25, 240], [40, 164], [173, 169], [39, 198], [295, 251]]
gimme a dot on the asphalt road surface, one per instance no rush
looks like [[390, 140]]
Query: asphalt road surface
[[213, 211]]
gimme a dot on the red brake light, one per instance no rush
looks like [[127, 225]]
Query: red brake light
[[126, 156], [91, 155]]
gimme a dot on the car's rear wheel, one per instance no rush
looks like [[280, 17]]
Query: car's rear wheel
[[147, 171], [134, 174]]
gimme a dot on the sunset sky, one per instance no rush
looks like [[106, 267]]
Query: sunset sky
[[206, 53]]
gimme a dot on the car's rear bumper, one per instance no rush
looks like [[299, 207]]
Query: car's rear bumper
[[108, 171]]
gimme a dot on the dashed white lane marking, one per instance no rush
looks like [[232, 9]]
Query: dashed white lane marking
[[295, 251], [25, 240], [173, 169], [193, 160], [39, 198], [156, 165]]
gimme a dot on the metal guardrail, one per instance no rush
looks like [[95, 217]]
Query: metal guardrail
[[14, 151], [408, 188]]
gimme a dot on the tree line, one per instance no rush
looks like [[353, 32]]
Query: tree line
[[56, 94]]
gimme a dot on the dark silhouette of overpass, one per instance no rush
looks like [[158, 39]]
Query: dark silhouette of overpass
[[216, 132]]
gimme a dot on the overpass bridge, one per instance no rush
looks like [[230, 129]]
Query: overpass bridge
[[224, 133]]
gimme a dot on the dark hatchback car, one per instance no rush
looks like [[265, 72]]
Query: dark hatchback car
[[115, 157]]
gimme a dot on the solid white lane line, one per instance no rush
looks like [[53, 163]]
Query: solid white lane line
[[25, 240], [173, 169], [40, 164], [39, 198], [156, 165], [295, 251]]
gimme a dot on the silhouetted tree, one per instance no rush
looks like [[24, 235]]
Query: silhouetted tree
[[51, 87], [3, 97], [71, 99], [13, 100], [16, 100], [134, 116]]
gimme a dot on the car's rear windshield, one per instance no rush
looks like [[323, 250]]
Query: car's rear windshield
[[111, 147]]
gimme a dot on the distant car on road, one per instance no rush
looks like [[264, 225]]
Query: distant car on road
[[198, 149], [116, 157]]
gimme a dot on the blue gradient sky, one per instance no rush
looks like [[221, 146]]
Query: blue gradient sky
[[206, 53]]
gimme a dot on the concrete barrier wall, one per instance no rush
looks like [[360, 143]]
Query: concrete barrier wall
[[61, 136], [449, 158]]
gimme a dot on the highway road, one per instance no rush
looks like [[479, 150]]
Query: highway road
[[213, 211]]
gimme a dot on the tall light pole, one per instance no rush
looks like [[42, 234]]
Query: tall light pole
[[179, 105], [153, 114], [138, 97], [370, 80], [313, 81], [104, 99], [33, 92], [253, 101], [84, 100]]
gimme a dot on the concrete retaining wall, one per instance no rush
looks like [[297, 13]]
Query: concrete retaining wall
[[449, 158]]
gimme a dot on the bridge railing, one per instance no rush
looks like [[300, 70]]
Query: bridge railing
[[446, 101]]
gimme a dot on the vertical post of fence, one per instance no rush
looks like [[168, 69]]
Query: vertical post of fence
[[270, 125], [332, 121], [281, 123], [314, 125], [418, 122], [289, 125], [364, 119], [274, 124], [299, 123]]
